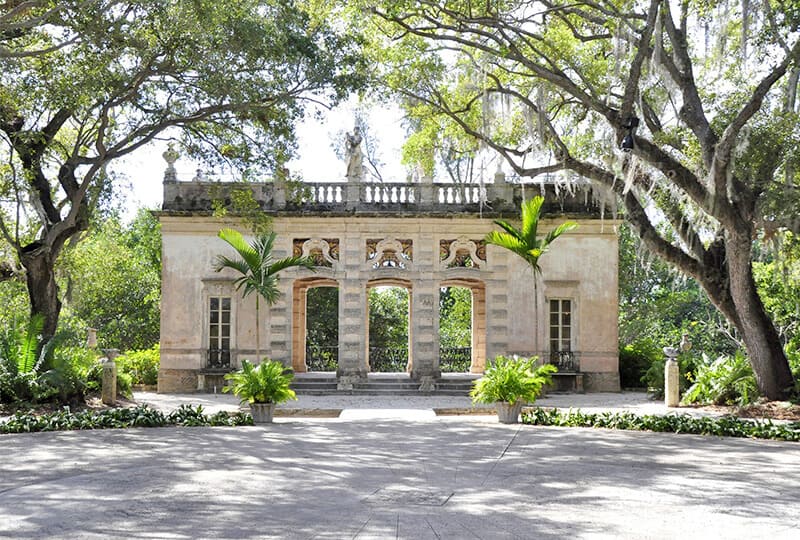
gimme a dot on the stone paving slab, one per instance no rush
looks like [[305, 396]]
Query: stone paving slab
[[440, 477]]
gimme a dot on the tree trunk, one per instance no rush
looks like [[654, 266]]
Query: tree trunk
[[770, 365], [42, 287]]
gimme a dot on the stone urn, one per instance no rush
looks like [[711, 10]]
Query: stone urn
[[262, 412], [508, 413]]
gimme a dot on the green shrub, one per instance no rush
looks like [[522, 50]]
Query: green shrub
[[726, 426], [268, 382], [142, 366], [141, 416], [512, 380], [727, 380], [634, 361], [70, 372]]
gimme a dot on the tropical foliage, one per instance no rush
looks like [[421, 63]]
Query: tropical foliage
[[140, 416], [268, 382], [142, 365], [728, 380], [257, 270], [726, 426], [112, 282], [525, 241], [512, 380]]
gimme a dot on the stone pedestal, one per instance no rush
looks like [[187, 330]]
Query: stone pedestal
[[672, 394], [109, 387]]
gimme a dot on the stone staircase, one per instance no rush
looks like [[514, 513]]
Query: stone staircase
[[383, 384]]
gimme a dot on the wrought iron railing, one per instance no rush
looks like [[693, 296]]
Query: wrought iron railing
[[218, 359], [565, 361], [455, 359], [322, 358], [388, 359]]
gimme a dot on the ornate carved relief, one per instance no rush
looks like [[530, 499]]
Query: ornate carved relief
[[462, 253], [390, 253], [324, 251]]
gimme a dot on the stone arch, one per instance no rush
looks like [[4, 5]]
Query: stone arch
[[392, 282], [299, 293], [478, 288]]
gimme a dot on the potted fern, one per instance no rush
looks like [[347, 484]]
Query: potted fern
[[511, 383], [263, 387]]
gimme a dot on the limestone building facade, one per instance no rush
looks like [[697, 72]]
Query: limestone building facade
[[419, 236]]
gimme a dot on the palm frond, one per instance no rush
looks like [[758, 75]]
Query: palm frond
[[239, 265], [558, 231], [507, 241], [531, 210], [246, 251], [290, 262], [509, 228]]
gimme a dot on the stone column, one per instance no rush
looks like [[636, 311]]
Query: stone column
[[424, 333], [424, 312], [497, 304], [353, 316]]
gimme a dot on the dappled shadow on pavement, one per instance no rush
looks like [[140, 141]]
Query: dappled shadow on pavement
[[394, 479]]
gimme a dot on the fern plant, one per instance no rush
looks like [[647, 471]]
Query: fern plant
[[725, 381], [268, 382], [512, 380]]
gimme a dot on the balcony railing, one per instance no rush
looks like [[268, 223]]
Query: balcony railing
[[565, 361], [455, 359], [218, 359], [322, 358], [388, 359]]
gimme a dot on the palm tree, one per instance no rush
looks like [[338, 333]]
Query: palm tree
[[525, 242], [258, 271]]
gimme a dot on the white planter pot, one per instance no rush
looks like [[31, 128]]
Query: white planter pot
[[262, 412], [507, 413]]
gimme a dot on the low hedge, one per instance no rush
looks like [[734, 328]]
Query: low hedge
[[140, 416], [725, 426]]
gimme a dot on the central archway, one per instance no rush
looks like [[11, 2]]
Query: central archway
[[388, 340]]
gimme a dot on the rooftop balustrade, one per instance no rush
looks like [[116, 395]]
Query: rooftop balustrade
[[500, 196]]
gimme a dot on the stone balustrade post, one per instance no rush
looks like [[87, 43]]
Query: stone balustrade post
[[352, 193], [279, 192], [427, 192], [502, 189]]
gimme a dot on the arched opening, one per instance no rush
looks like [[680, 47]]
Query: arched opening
[[455, 329], [388, 328], [477, 326], [315, 325]]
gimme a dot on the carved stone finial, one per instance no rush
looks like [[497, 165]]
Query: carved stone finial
[[170, 156]]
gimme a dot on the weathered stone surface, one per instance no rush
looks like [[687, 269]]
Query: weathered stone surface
[[601, 382], [109, 383], [177, 381]]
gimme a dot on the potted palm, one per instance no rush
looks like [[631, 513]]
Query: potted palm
[[511, 383], [263, 387]]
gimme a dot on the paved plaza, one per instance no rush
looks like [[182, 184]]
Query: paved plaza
[[379, 473]]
